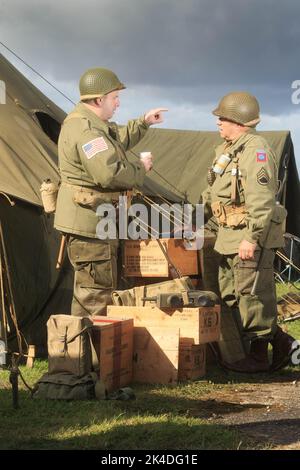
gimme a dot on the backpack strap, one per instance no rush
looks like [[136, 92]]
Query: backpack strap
[[95, 362], [87, 329]]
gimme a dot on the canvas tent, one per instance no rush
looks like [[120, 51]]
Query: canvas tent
[[29, 127]]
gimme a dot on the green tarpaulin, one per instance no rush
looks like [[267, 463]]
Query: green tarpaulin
[[28, 155]]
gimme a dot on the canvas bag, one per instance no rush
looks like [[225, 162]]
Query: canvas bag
[[69, 345], [133, 297], [272, 237], [65, 386]]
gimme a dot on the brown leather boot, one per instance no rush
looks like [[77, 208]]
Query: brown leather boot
[[282, 349], [255, 361]]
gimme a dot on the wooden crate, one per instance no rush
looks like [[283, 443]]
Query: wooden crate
[[144, 258], [169, 345], [201, 324], [192, 360], [113, 342], [155, 355]]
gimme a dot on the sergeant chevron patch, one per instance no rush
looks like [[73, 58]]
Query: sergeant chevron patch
[[262, 177]]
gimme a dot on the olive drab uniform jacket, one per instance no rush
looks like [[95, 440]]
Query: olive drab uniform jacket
[[242, 194], [93, 168]]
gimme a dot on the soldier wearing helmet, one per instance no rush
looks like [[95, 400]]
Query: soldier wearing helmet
[[94, 170], [241, 196]]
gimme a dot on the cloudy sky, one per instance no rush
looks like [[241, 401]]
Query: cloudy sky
[[180, 54]]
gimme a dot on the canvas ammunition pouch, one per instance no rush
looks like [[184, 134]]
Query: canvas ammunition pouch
[[65, 386], [230, 216], [133, 297], [70, 347], [90, 197], [272, 236]]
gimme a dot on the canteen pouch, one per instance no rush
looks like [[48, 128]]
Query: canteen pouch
[[49, 193]]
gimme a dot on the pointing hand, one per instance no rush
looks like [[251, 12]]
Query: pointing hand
[[155, 116]]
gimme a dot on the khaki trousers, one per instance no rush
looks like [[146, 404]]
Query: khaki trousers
[[95, 274], [258, 313]]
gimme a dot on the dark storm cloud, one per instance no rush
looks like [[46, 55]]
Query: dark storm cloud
[[197, 50]]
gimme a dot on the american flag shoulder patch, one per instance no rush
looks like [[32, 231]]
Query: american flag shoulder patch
[[94, 146]]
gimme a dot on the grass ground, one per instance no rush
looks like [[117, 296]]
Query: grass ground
[[161, 417]]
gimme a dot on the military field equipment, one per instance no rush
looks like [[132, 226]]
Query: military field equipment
[[70, 347], [49, 192], [65, 386], [97, 82], [72, 361], [230, 216], [196, 298], [211, 176], [271, 239], [278, 217], [133, 297], [239, 107], [221, 164]]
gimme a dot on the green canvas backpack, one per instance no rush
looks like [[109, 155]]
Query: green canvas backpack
[[70, 347]]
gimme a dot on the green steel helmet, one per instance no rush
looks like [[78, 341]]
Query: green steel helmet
[[239, 107], [97, 82]]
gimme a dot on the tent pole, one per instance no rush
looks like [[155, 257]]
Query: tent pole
[[3, 307], [12, 308]]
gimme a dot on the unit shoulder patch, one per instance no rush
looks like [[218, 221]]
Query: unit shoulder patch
[[94, 146], [262, 177], [261, 156]]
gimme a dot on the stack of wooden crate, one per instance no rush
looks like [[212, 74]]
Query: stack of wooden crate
[[169, 345], [145, 259], [113, 343]]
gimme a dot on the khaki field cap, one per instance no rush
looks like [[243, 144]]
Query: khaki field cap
[[240, 107], [97, 82]]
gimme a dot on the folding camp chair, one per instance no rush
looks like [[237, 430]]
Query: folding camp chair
[[288, 258]]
